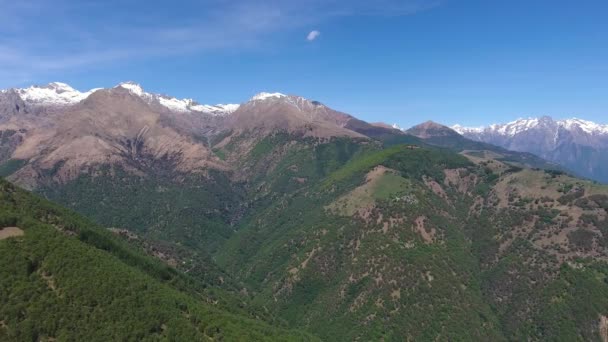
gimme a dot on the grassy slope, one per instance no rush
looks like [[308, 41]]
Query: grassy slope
[[69, 280]]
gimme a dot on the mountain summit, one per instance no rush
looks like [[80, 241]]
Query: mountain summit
[[52, 94], [431, 129], [269, 112]]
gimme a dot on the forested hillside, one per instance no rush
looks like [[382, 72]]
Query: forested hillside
[[63, 278]]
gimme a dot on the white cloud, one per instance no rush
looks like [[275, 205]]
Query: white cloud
[[313, 35]]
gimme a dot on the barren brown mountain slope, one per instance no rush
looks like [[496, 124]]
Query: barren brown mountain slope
[[110, 127]]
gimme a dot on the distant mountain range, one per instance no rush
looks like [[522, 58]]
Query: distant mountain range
[[578, 145], [60, 122], [58, 94]]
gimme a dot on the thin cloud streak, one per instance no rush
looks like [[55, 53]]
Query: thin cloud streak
[[37, 38]]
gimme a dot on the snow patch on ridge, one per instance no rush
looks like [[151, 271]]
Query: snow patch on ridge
[[216, 109], [177, 105], [265, 96], [133, 88], [189, 105], [395, 126], [462, 130]]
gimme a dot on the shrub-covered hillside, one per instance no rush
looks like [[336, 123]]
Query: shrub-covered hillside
[[421, 243]]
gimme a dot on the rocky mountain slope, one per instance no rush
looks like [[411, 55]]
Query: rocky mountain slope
[[579, 145], [58, 132]]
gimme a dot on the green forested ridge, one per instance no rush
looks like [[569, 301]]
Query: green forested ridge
[[65, 279], [353, 239]]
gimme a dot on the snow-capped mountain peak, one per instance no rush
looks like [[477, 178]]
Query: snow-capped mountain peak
[[133, 88], [516, 127], [300, 104], [584, 125], [266, 96], [60, 87], [54, 94]]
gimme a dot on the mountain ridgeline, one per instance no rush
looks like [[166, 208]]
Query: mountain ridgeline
[[283, 219]]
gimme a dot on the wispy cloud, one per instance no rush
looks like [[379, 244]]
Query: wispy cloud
[[313, 35], [40, 36]]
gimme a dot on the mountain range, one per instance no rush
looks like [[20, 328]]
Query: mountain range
[[578, 145], [283, 219], [57, 127]]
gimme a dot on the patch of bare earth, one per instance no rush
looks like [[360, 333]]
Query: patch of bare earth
[[377, 172], [460, 179], [396, 294], [603, 327], [435, 187], [48, 279], [9, 232], [427, 235]]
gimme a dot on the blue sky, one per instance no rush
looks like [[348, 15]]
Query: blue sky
[[452, 61]]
